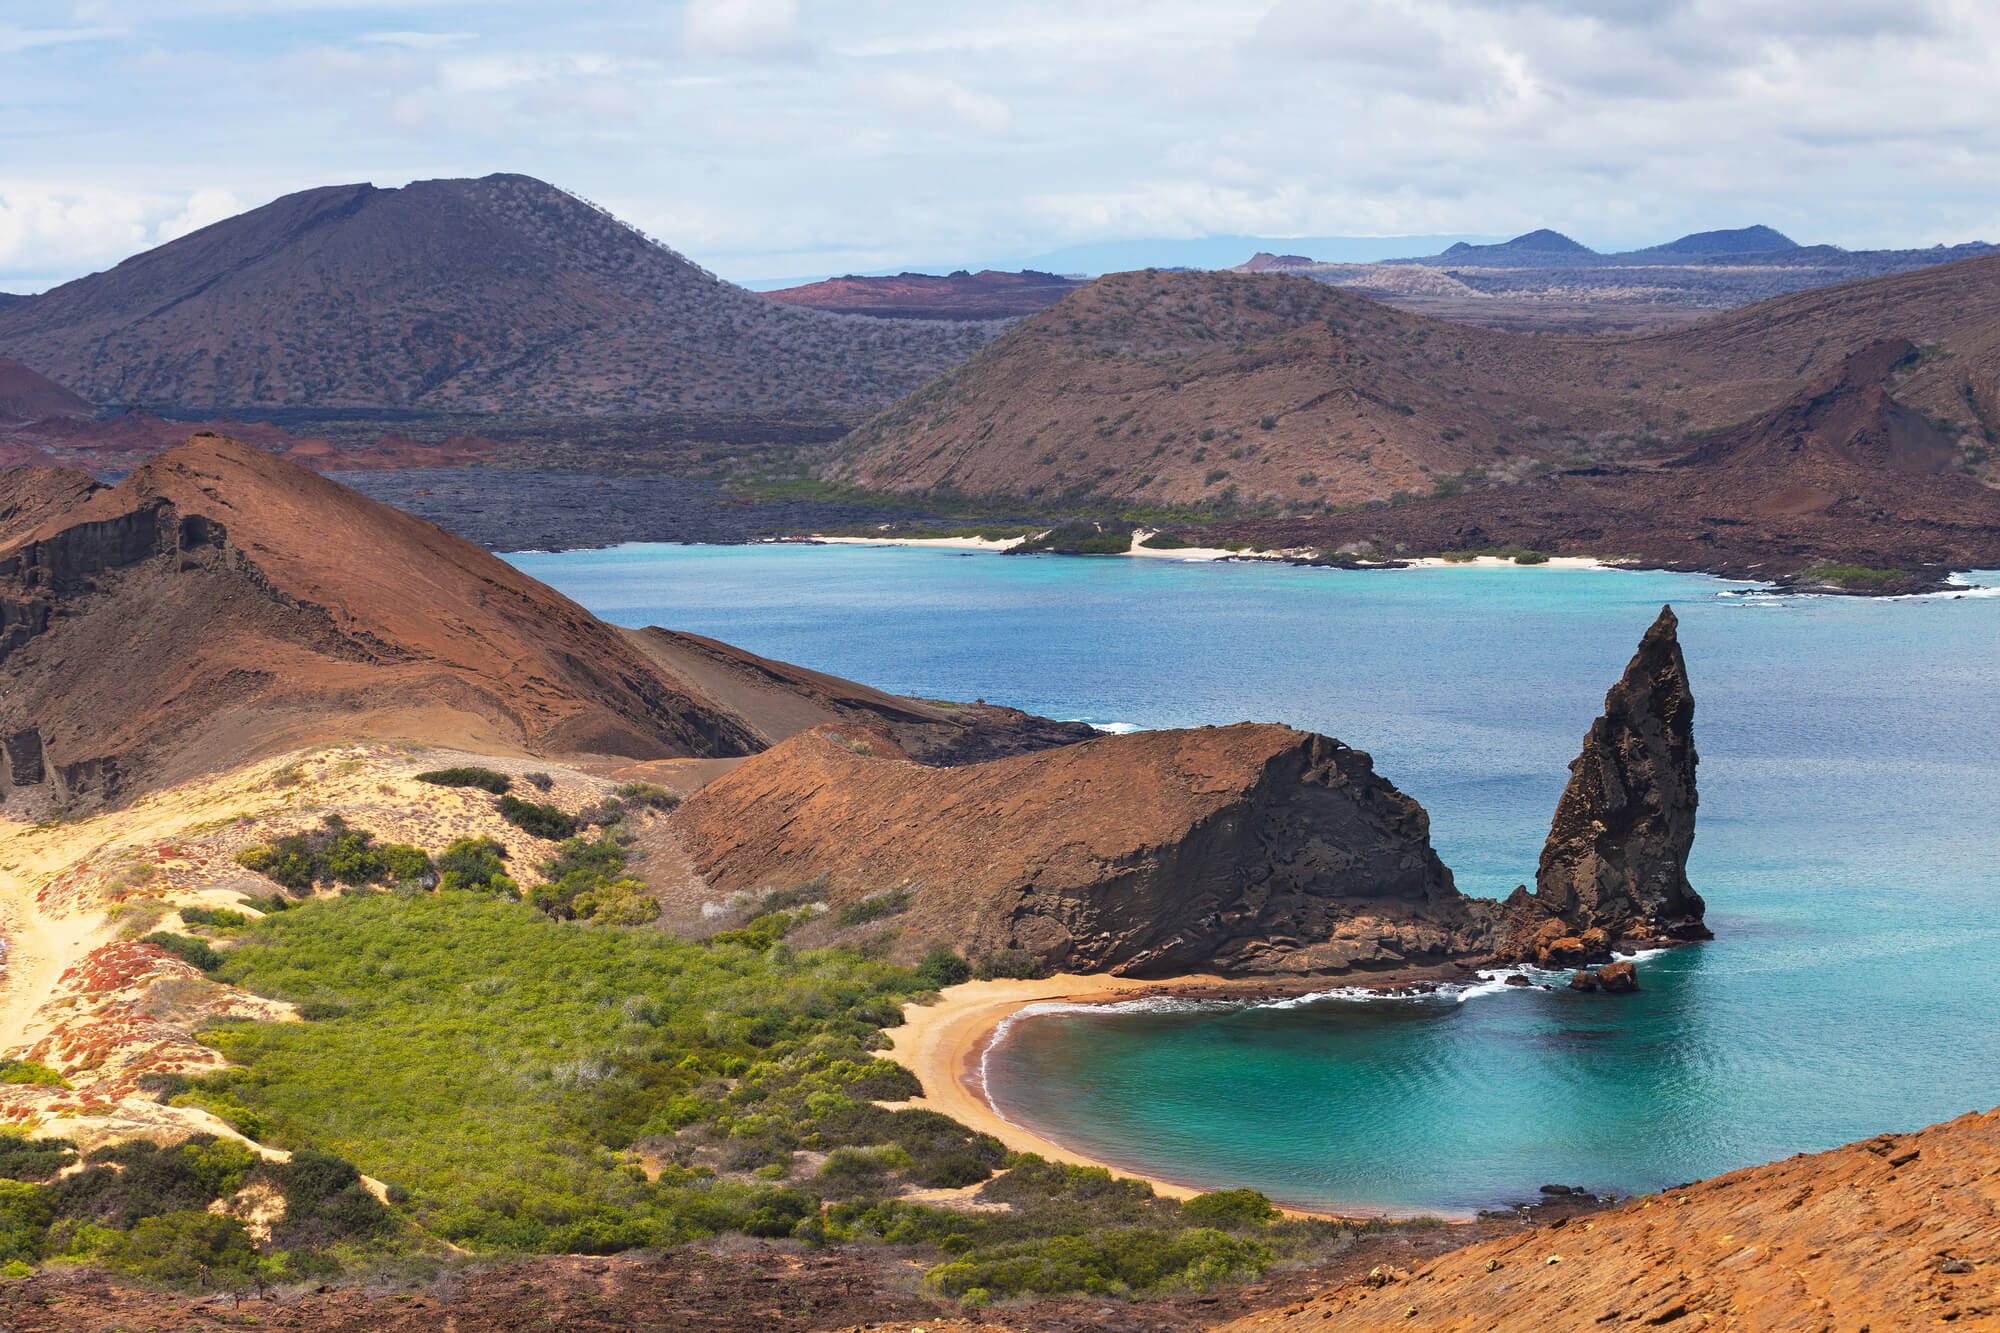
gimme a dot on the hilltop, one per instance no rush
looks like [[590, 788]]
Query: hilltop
[[1269, 390], [281, 609], [501, 293], [987, 294]]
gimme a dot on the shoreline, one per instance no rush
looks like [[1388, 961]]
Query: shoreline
[[945, 1044], [1205, 554]]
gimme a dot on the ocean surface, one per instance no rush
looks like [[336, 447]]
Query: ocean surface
[[1847, 844]]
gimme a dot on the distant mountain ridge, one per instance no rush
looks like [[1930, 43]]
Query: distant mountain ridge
[[1545, 248], [502, 293]]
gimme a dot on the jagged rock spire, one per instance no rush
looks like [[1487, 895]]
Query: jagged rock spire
[[1616, 858]]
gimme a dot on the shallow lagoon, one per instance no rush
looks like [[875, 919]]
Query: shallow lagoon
[[1847, 846]]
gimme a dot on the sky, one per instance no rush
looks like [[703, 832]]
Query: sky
[[777, 138]]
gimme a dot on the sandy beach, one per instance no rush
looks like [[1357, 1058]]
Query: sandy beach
[[1220, 553], [942, 1044]]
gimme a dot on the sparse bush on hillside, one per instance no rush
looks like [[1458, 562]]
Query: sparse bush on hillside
[[476, 864], [1018, 964], [872, 908], [214, 918], [334, 852], [541, 821], [468, 776], [648, 795], [187, 948]]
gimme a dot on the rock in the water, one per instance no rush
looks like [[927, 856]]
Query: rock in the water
[[1619, 978], [1616, 858], [1583, 981]]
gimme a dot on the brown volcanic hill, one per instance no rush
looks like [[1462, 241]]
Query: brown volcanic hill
[[27, 395], [1891, 1233], [471, 295], [1310, 397], [1253, 850], [1845, 472], [222, 603], [987, 294]]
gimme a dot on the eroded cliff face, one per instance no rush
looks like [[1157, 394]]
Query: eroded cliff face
[[1617, 853], [1252, 849]]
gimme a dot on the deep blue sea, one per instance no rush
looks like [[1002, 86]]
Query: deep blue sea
[[1847, 844]]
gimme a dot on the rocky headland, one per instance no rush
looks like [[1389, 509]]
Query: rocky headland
[[1251, 851]]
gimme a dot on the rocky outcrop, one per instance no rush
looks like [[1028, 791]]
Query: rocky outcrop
[[1617, 852], [1253, 849]]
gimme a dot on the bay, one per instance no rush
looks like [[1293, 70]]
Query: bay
[[1846, 845]]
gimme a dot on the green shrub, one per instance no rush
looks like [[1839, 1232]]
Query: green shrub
[[31, 1071], [872, 908], [649, 795], [539, 781], [1531, 558], [1110, 1263], [1229, 1209], [541, 821], [478, 864], [25, 1215], [187, 948], [1013, 963], [1850, 576], [1166, 541], [942, 967], [192, 1249], [23, 1158], [334, 852], [215, 918], [468, 776]]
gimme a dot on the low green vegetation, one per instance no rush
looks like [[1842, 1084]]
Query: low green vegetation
[[1531, 558], [872, 908], [527, 1083], [31, 1071], [214, 918], [188, 949], [1838, 575], [335, 853], [1166, 541], [469, 776], [143, 1211], [541, 821], [1079, 536]]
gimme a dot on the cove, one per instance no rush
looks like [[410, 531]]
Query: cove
[[1850, 760]]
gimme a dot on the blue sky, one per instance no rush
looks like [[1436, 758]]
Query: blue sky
[[768, 138]]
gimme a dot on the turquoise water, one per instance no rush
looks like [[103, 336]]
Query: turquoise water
[[1846, 845]]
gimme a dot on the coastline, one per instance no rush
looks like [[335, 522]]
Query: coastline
[[944, 1044], [1213, 553]]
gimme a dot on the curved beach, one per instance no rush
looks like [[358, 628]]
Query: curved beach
[[943, 1043]]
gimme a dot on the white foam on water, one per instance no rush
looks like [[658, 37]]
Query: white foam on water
[[1115, 728]]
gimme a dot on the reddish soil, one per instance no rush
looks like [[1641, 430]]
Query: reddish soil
[[987, 294], [737, 1286]]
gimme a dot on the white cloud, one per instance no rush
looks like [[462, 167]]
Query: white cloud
[[743, 28], [927, 96]]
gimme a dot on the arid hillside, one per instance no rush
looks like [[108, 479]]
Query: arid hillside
[[1895, 1232], [1842, 485], [223, 603], [987, 294], [27, 395], [1176, 388], [502, 293]]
